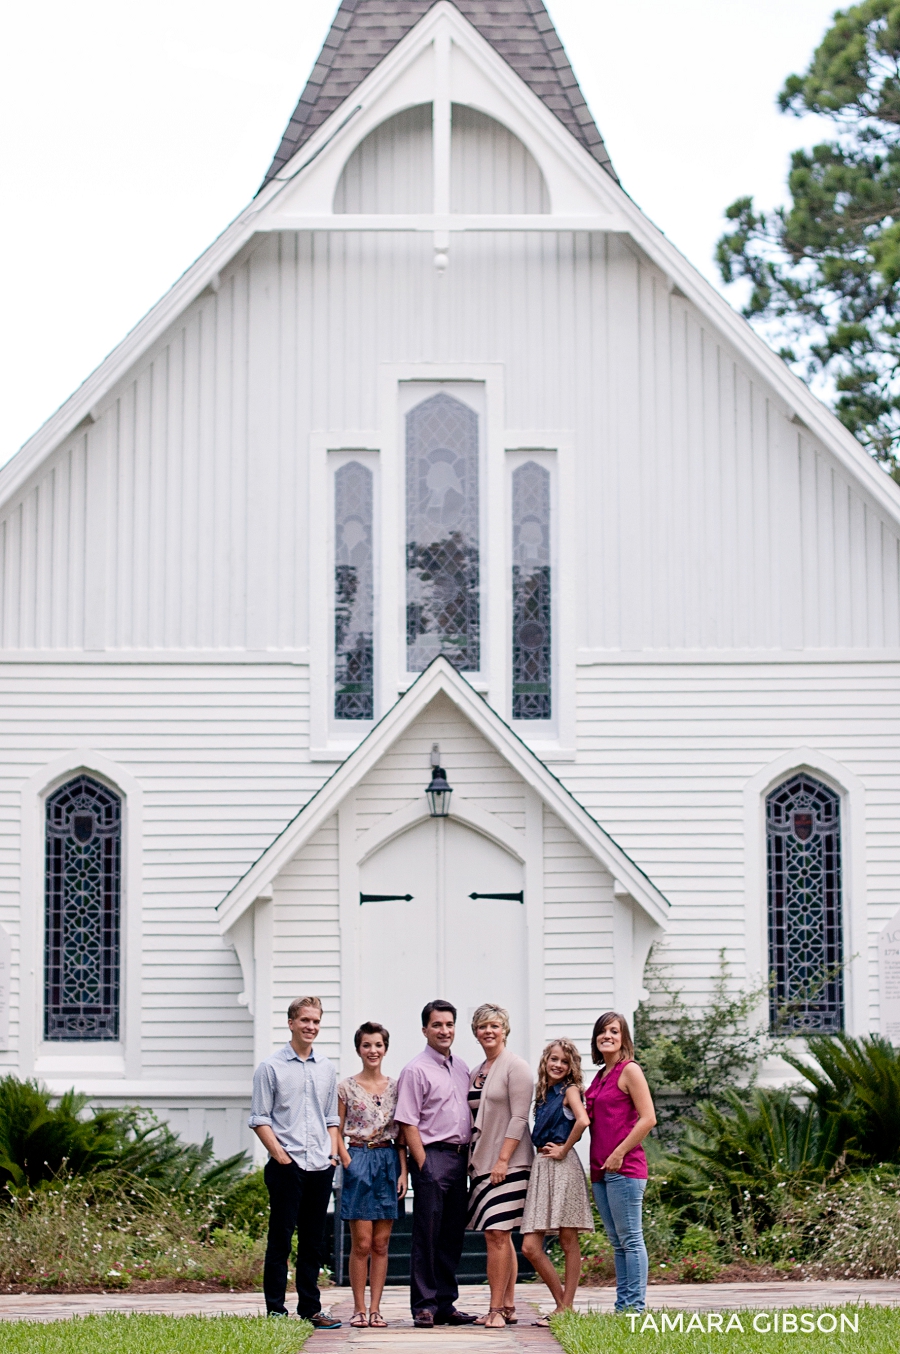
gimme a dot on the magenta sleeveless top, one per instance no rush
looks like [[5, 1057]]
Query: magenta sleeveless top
[[613, 1116]]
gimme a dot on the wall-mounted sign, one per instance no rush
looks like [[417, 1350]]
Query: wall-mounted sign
[[889, 974], [5, 971]]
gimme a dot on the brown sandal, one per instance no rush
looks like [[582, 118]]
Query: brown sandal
[[509, 1316], [492, 1311], [376, 1319], [358, 1320]]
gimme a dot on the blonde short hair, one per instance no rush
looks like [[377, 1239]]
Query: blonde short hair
[[297, 1006], [488, 1011]]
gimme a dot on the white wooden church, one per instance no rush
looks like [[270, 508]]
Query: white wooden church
[[440, 456]]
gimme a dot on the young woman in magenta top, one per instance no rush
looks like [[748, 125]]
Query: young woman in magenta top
[[620, 1109]]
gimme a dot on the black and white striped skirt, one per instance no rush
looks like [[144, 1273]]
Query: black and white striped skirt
[[497, 1208]]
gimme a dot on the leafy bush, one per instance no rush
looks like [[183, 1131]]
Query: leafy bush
[[852, 1228], [95, 1231], [40, 1139], [37, 1139], [691, 1056], [245, 1206], [856, 1090]]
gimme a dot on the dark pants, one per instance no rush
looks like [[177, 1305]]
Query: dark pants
[[298, 1202], [438, 1230]]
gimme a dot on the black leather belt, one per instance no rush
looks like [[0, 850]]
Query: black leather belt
[[447, 1146]]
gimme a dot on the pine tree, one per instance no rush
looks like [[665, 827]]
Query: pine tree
[[824, 271]]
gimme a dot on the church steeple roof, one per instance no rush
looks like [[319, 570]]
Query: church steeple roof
[[365, 31]]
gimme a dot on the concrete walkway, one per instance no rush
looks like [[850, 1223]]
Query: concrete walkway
[[531, 1299]]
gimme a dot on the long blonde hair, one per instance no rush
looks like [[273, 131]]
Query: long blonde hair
[[573, 1058]]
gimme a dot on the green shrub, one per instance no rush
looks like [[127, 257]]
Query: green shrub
[[851, 1229], [245, 1206], [101, 1231], [856, 1089], [690, 1055], [41, 1139]]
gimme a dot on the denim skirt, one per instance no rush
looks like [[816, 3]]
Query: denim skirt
[[370, 1184]]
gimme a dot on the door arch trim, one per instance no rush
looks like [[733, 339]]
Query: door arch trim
[[463, 811]]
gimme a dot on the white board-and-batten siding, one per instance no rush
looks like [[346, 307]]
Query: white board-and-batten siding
[[702, 517], [579, 959], [306, 938]]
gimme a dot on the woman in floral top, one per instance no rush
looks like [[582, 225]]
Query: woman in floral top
[[375, 1174]]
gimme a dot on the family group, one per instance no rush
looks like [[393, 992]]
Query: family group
[[462, 1138]]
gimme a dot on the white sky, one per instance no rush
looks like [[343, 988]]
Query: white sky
[[133, 133]]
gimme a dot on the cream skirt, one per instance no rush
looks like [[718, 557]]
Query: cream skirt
[[557, 1196]]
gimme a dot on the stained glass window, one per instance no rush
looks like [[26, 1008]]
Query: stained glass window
[[82, 912], [531, 636], [803, 832], [354, 692], [442, 612]]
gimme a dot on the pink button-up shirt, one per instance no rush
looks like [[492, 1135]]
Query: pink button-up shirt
[[432, 1095]]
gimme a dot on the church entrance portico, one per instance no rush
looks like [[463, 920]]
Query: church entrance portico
[[517, 897]]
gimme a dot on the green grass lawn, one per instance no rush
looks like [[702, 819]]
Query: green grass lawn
[[121, 1334], [878, 1332]]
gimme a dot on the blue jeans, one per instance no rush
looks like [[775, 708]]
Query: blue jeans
[[619, 1200]]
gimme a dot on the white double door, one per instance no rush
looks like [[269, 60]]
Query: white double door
[[441, 942]]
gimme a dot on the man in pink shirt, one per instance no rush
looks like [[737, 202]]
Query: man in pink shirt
[[432, 1106]]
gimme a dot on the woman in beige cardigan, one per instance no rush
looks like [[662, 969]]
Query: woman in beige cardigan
[[500, 1093]]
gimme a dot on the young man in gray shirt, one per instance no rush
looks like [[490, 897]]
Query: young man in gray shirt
[[294, 1114]]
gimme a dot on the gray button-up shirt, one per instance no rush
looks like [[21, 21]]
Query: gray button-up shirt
[[298, 1100]]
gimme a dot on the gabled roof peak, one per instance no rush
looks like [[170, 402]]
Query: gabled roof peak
[[365, 31]]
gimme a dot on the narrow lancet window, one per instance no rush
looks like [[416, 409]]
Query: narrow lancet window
[[803, 833], [442, 604], [82, 912], [354, 690], [531, 637]]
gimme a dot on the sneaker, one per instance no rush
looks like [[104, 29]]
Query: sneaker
[[276, 1313], [322, 1322]]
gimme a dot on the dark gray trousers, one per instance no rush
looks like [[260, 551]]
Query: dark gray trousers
[[438, 1230]]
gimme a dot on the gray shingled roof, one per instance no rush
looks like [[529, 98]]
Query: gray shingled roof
[[364, 31]]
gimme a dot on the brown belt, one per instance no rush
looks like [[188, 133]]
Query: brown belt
[[383, 1142]]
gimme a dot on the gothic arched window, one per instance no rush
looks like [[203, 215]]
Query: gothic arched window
[[803, 833], [82, 912], [354, 657], [442, 613], [531, 693]]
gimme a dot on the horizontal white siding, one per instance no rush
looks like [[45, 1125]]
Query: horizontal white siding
[[220, 754], [701, 516], [665, 752], [306, 938], [578, 937], [475, 770]]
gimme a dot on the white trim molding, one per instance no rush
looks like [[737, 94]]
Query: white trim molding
[[95, 1061], [853, 870]]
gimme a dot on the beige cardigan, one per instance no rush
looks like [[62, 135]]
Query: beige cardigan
[[502, 1113]]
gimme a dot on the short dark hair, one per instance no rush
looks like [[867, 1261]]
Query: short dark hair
[[370, 1027], [437, 1005], [600, 1025]]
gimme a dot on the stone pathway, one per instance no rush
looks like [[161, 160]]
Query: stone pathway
[[520, 1339]]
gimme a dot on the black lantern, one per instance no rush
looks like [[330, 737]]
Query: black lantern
[[438, 792]]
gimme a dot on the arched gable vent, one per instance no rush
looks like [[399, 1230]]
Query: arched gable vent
[[491, 170]]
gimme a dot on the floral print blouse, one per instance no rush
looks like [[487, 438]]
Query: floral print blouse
[[370, 1118]]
